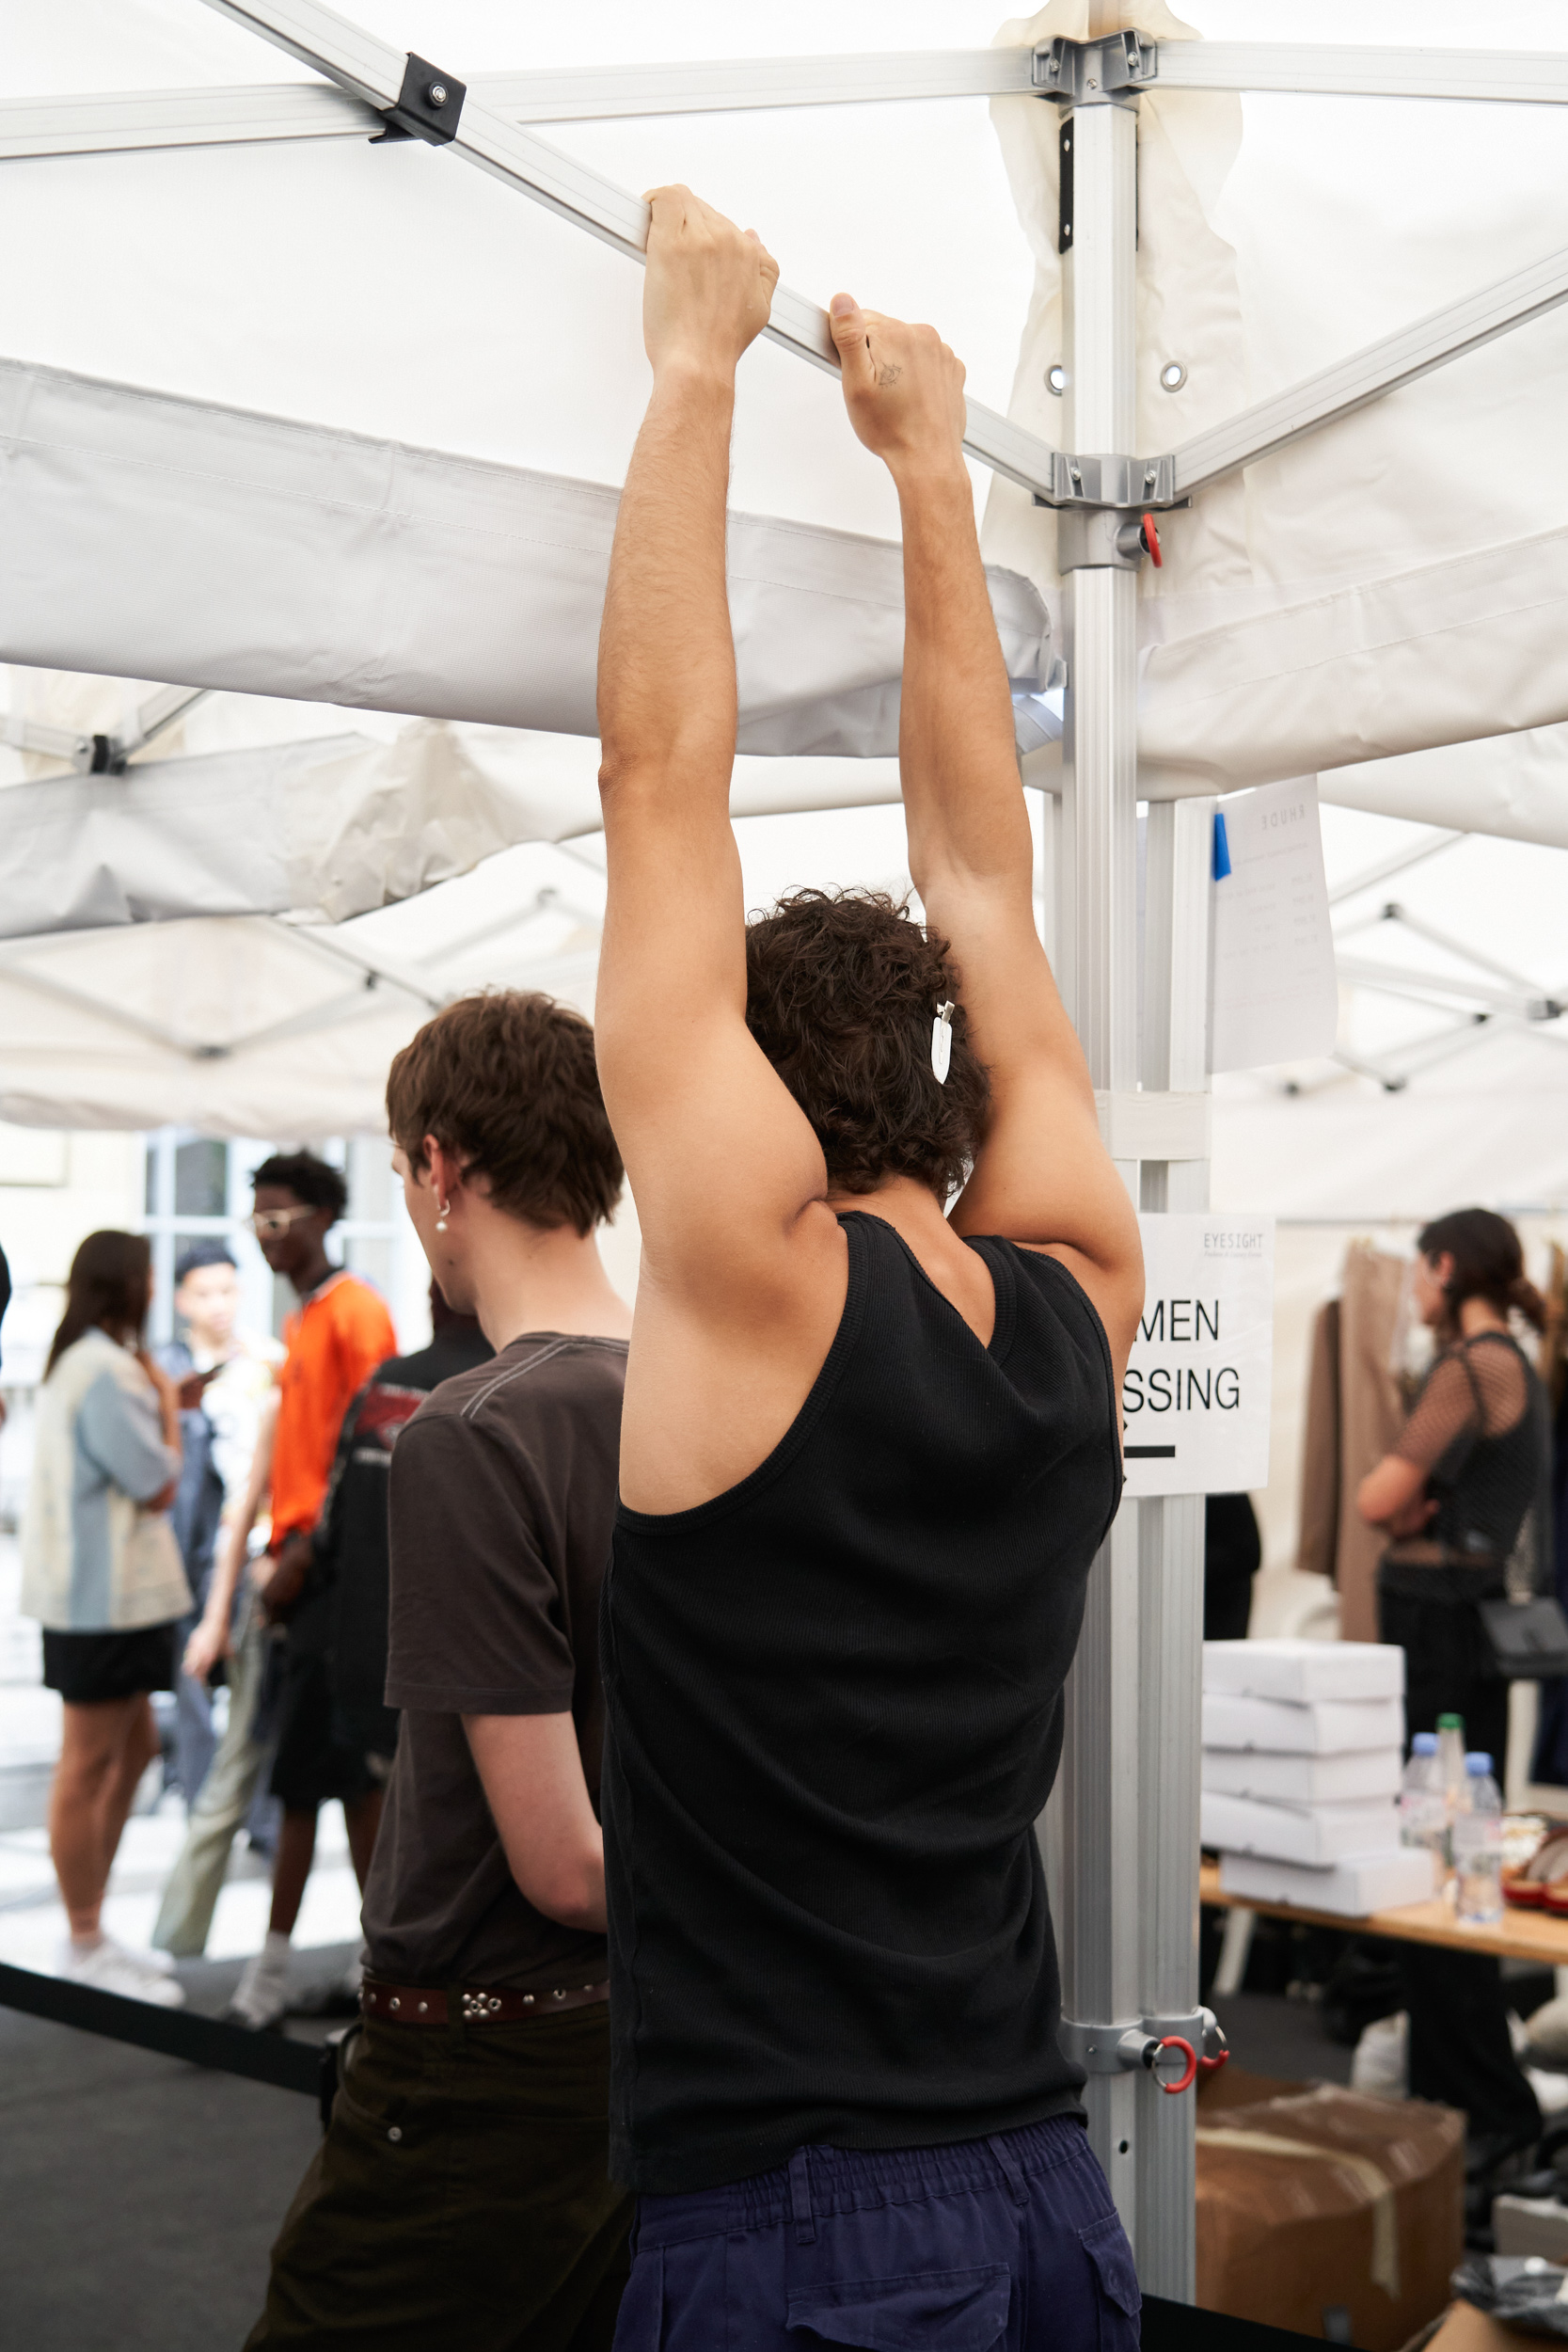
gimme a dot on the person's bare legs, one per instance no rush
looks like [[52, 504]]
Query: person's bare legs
[[296, 1850], [362, 1818], [104, 1750]]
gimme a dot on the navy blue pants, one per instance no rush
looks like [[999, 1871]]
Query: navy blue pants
[[1009, 2244]]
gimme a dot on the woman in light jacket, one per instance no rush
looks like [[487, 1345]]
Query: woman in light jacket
[[102, 1573]]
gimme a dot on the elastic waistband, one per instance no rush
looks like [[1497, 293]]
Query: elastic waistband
[[846, 2180]]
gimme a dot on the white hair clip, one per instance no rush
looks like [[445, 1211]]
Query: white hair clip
[[942, 1042]]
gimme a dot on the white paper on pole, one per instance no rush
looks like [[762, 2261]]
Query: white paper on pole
[[1275, 995], [1196, 1396]]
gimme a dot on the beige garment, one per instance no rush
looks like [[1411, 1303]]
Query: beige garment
[[1372, 1414], [1354, 1413], [1318, 1545]]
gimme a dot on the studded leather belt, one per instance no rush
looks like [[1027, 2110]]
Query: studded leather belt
[[477, 2005]]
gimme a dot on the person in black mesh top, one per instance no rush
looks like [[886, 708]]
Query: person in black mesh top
[[1463, 1497]]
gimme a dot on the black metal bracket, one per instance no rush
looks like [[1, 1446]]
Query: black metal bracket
[[429, 107], [1095, 72], [1064, 187]]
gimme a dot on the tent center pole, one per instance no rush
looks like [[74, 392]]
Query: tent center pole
[[1099, 1763], [1125, 1877]]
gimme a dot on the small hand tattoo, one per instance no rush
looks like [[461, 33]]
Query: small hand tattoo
[[888, 376]]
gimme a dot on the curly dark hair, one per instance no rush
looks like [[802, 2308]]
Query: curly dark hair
[[841, 990], [507, 1080], [314, 1183]]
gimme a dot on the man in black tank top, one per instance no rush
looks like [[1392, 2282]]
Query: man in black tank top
[[869, 1446]]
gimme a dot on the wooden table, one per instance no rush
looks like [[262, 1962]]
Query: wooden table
[[1517, 1935]]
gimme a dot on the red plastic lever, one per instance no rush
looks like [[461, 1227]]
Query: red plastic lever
[[1185, 2079], [1151, 541]]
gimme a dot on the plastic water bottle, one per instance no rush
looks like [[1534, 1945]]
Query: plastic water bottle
[[1450, 1779], [1423, 1800], [1477, 1845]]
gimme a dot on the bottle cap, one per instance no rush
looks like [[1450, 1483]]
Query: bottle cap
[[1451, 1722], [1424, 1743], [1477, 1763]]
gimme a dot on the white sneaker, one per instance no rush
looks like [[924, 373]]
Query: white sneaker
[[260, 1998], [108, 1967], [161, 1963]]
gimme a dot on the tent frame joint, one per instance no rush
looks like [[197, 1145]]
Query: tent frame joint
[[429, 106], [1095, 72]]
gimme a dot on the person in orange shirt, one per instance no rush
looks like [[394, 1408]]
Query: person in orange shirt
[[336, 1337]]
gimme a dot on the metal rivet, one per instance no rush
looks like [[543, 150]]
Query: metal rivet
[[423, 2006], [558, 1994], [437, 93], [395, 2131], [395, 2002], [528, 2000], [1172, 376], [1055, 379]]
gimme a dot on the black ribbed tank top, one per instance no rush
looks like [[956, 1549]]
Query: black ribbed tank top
[[833, 1715]]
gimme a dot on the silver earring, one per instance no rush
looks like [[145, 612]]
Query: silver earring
[[445, 1208]]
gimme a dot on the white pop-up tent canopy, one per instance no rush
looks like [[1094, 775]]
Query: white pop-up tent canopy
[[285, 409]]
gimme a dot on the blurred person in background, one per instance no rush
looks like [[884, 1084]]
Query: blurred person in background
[[1232, 1555], [102, 1574], [223, 1376], [1461, 1497], [279, 1688], [352, 1540]]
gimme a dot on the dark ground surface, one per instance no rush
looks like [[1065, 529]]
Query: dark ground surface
[[138, 2197]]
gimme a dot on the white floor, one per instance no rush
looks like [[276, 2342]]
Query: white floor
[[33, 1927], [32, 1924]]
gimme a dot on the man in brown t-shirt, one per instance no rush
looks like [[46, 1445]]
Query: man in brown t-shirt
[[461, 2196]]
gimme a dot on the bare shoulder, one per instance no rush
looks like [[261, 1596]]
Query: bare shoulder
[[719, 1370]]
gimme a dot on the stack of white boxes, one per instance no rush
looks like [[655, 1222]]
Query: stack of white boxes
[[1302, 1754]]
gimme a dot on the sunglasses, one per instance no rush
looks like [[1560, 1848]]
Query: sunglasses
[[272, 1224]]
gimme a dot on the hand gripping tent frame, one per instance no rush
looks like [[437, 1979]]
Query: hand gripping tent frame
[[1122, 1838]]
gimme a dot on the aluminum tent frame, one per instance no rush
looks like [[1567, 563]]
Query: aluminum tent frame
[[1124, 1835]]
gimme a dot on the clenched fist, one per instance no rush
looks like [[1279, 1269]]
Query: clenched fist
[[903, 388], [709, 285]]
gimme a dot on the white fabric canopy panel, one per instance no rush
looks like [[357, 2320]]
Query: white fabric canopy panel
[[331, 827], [1398, 579], [154, 537]]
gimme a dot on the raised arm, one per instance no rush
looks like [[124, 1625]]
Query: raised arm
[[723, 1163], [1042, 1176]]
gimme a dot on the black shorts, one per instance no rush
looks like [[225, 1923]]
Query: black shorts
[[86, 1669], [312, 1765]]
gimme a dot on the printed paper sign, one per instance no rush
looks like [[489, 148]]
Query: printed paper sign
[[1275, 993], [1195, 1398]]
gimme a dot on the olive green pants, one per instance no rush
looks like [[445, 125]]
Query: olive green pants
[[459, 2197]]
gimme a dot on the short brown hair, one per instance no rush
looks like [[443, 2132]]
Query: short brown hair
[[507, 1080], [841, 990]]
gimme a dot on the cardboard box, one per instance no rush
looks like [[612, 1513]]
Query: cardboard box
[[1312, 1834], [1328, 2197], [1319, 1727], [1466, 2329], [1304, 1779], [1305, 1670], [1354, 1887]]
